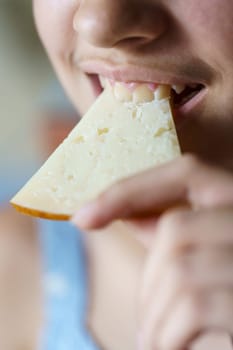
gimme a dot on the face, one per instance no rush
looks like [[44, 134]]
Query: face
[[180, 43]]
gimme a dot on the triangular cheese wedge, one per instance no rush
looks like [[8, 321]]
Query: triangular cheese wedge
[[114, 140]]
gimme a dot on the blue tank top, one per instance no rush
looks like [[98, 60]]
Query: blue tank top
[[65, 287]]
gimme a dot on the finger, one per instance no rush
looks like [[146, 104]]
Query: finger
[[155, 308], [202, 268], [193, 315], [186, 231], [184, 181], [193, 273], [181, 325]]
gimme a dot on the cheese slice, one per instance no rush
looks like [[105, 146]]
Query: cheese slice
[[115, 139]]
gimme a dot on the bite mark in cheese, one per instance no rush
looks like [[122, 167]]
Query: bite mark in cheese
[[117, 137]]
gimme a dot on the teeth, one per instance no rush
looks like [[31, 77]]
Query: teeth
[[178, 88], [163, 91], [122, 93], [143, 94], [102, 81]]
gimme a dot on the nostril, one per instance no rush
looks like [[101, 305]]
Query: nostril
[[122, 22]]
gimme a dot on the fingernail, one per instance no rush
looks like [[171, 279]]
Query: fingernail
[[84, 216]]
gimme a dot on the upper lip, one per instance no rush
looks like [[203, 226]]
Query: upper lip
[[135, 73]]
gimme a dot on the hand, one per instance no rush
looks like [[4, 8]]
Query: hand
[[188, 279]]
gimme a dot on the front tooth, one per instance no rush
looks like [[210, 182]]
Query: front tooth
[[143, 94], [178, 88], [163, 91], [122, 93]]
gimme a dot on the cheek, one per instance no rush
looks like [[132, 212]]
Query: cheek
[[54, 21], [210, 24]]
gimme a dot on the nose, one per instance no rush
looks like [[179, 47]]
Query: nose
[[109, 23]]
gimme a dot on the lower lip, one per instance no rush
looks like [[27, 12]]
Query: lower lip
[[182, 112]]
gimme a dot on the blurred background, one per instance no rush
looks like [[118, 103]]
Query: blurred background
[[35, 116], [24, 74]]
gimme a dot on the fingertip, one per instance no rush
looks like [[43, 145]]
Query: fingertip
[[91, 216], [85, 217]]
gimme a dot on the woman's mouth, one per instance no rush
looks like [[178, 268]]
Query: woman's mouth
[[184, 97], [96, 84], [182, 94]]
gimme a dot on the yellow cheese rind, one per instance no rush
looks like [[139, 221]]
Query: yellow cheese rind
[[112, 141], [41, 214]]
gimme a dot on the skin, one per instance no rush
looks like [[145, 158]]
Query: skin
[[186, 279], [20, 281]]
